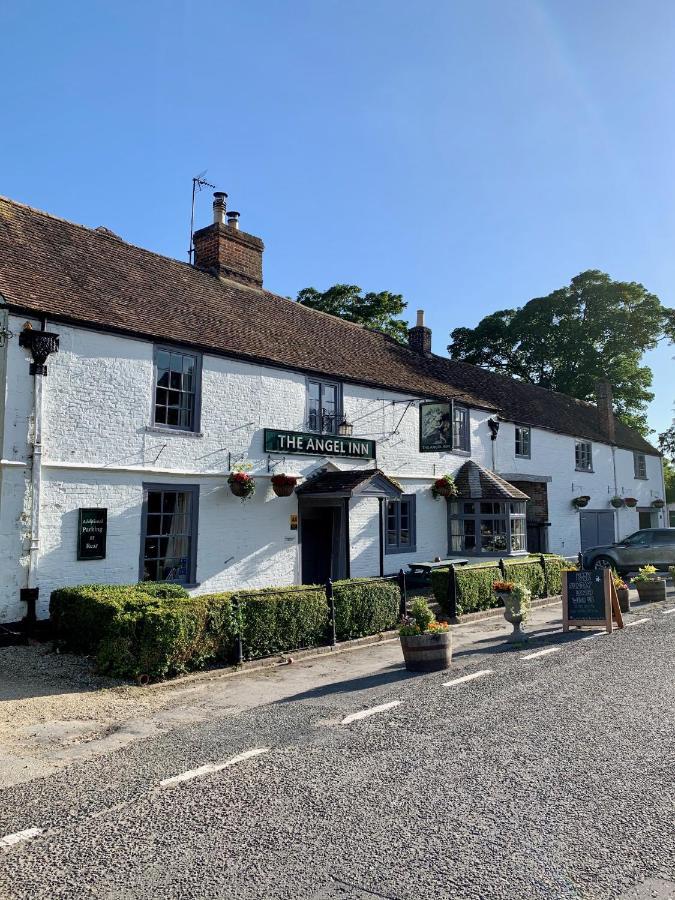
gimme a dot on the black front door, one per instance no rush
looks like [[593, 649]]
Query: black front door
[[317, 544]]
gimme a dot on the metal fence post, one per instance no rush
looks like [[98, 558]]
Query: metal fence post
[[403, 608], [236, 606], [542, 560], [452, 592], [502, 568], [330, 597], [580, 562]]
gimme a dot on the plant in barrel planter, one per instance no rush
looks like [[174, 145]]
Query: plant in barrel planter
[[241, 483], [650, 587], [658, 504], [617, 502], [517, 601], [631, 502], [444, 487], [580, 502], [283, 485], [622, 593], [426, 643]]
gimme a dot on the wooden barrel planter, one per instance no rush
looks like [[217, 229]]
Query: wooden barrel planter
[[651, 591], [427, 652], [624, 599]]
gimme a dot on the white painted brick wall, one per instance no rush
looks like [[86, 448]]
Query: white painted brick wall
[[100, 449]]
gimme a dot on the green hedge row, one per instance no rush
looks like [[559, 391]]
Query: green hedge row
[[474, 582], [159, 630]]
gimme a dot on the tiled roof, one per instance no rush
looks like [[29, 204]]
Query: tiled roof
[[348, 482], [87, 275], [475, 482]]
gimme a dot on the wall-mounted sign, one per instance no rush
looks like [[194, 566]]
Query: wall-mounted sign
[[293, 522], [92, 531], [435, 427], [310, 444], [589, 598]]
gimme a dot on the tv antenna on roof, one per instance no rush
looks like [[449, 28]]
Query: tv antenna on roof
[[198, 182]]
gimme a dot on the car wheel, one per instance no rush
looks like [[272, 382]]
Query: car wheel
[[603, 562]]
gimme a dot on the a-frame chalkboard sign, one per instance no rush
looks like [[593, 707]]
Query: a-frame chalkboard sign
[[589, 598]]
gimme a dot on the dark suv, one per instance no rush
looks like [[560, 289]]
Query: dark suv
[[649, 547]]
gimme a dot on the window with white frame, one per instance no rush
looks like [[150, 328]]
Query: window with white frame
[[400, 525], [583, 456], [460, 428], [177, 385], [523, 441], [487, 526], [640, 465], [323, 413]]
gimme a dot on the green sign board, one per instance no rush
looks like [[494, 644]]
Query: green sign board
[[92, 531], [309, 444]]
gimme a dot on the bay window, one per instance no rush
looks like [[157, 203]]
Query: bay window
[[487, 526]]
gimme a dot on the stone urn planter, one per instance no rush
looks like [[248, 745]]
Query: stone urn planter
[[516, 600], [652, 590], [428, 652], [426, 643]]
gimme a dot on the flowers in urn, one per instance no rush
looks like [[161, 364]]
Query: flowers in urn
[[444, 487], [241, 483], [517, 600]]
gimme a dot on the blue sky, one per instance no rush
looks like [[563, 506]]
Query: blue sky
[[470, 155]]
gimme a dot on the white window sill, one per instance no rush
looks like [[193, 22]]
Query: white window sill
[[158, 429]]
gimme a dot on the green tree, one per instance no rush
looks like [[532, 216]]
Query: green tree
[[667, 441], [592, 328], [347, 301]]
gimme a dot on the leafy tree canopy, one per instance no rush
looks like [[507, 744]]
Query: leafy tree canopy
[[667, 442], [593, 328], [378, 311], [669, 478]]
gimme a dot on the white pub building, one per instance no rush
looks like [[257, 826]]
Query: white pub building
[[133, 385]]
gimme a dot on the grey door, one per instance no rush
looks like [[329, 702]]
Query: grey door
[[597, 528]]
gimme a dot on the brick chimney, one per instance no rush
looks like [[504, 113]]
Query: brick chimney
[[222, 249], [419, 337], [604, 401]]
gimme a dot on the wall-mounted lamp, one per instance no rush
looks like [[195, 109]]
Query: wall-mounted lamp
[[345, 428], [493, 425]]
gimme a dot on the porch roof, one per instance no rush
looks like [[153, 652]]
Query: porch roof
[[350, 483], [475, 482]]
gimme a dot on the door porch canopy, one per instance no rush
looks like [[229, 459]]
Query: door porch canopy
[[350, 483]]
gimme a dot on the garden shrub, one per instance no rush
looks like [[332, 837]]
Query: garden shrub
[[363, 607], [529, 574], [275, 620]]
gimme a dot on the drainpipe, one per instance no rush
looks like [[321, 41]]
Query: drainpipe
[[41, 344], [664, 511], [617, 518]]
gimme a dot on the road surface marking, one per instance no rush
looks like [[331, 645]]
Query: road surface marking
[[637, 622], [210, 768], [667, 612], [541, 653], [354, 717], [467, 677], [596, 634], [18, 837]]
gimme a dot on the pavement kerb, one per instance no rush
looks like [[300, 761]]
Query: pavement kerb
[[282, 660]]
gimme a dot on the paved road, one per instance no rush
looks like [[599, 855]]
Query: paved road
[[546, 777]]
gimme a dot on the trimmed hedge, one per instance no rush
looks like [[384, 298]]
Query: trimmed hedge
[[474, 582], [159, 630]]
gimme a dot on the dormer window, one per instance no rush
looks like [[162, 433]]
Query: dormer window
[[324, 402]]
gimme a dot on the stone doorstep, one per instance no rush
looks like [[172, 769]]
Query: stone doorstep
[[281, 660]]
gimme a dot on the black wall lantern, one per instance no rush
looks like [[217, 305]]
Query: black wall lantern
[[345, 428], [493, 425]]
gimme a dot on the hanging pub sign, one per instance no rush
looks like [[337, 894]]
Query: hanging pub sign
[[92, 531], [590, 598], [435, 427], [310, 444]]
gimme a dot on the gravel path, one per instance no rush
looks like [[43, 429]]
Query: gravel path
[[548, 778]]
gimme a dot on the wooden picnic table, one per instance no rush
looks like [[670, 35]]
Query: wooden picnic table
[[426, 568]]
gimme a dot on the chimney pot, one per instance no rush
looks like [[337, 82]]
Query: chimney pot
[[420, 317], [219, 207], [233, 219], [419, 337]]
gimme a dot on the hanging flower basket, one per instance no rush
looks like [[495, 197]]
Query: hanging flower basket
[[630, 502], [283, 485], [658, 504], [444, 487], [617, 502], [241, 484], [580, 502]]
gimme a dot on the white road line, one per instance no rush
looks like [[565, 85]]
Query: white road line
[[541, 653], [210, 768], [637, 622], [467, 677], [18, 837], [596, 634], [667, 612], [354, 717]]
